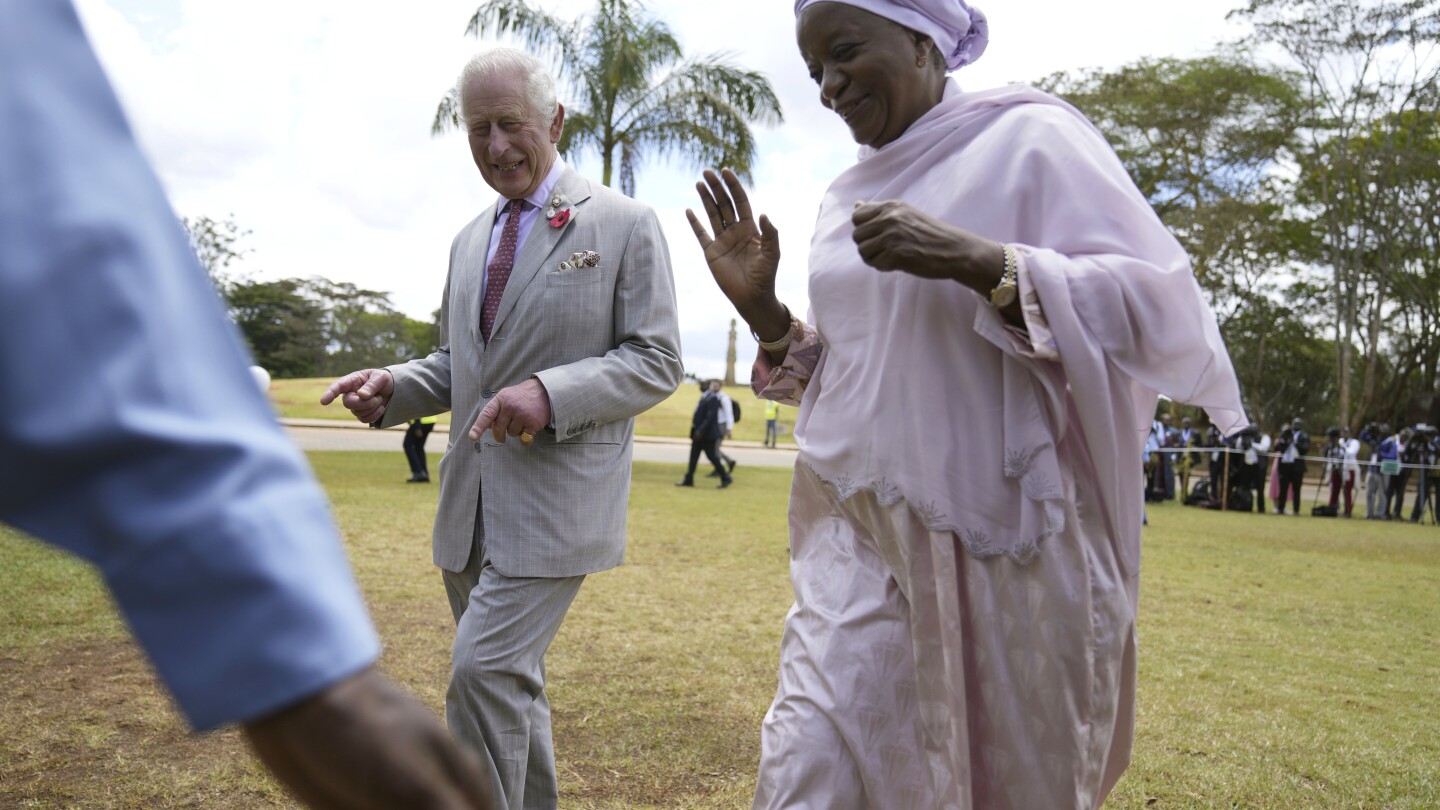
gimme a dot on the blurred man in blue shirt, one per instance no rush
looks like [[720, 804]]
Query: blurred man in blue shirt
[[135, 437]]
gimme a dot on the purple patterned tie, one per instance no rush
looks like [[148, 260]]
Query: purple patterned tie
[[499, 271]]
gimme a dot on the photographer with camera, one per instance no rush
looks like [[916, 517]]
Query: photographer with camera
[[1292, 445], [1392, 455], [1154, 490], [1334, 458], [1162, 464], [1186, 461], [1214, 439], [1374, 434], [1254, 445], [1426, 449], [1341, 464]]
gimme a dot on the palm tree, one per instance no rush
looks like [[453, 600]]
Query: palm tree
[[637, 94]]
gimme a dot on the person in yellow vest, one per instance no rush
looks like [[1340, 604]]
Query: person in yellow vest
[[415, 436], [772, 422]]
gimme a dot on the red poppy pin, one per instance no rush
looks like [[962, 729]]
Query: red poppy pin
[[553, 213]]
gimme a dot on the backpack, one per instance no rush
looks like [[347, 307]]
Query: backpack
[[1240, 500], [1199, 493], [734, 410]]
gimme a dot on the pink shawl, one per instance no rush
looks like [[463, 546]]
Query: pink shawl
[[923, 393]]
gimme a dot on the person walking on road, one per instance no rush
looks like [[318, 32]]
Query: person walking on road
[[415, 435], [706, 429], [727, 427]]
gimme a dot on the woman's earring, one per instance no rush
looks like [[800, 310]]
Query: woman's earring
[[922, 61]]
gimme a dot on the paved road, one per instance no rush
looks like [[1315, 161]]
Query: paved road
[[309, 436]]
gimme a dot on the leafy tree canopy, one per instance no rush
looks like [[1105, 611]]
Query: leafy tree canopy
[[215, 243]]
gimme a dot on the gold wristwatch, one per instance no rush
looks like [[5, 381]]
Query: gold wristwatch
[[1006, 291]]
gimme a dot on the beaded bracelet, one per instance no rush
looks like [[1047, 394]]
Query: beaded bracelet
[[784, 341]]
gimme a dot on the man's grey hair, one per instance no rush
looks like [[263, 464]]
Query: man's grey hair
[[539, 87]]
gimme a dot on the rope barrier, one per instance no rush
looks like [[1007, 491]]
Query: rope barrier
[[1323, 459]]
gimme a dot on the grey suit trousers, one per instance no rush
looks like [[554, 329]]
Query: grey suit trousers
[[496, 702]]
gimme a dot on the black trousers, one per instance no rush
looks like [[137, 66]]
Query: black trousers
[[1292, 476], [1396, 493], [1255, 480], [415, 436], [1221, 477], [711, 449], [720, 443]]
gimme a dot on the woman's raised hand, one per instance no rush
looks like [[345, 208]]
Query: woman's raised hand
[[744, 254]]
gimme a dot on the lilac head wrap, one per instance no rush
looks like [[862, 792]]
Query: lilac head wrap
[[959, 31]]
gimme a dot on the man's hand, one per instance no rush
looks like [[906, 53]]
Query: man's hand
[[361, 744], [520, 410], [365, 393]]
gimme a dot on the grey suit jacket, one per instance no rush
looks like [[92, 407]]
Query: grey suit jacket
[[606, 344]]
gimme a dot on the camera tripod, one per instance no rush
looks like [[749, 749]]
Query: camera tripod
[[1427, 483]]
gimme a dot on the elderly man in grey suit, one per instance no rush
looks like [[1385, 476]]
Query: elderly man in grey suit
[[559, 324]]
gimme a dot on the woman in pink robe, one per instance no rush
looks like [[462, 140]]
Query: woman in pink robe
[[994, 309]]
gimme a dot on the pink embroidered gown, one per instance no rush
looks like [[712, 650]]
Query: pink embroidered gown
[[965, 518]]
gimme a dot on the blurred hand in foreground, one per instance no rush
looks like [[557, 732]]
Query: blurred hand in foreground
[[361, 744]]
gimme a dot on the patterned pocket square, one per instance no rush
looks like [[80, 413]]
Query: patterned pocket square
[[585, 258]]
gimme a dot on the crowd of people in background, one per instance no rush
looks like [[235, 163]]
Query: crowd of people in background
[[1378, 465]]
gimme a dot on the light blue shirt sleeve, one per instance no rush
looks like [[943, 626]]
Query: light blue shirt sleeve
[[133, 434]]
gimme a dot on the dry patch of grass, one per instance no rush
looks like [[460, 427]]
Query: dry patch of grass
[[85, 724]]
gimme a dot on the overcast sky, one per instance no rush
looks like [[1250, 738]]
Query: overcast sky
[[309, 122]]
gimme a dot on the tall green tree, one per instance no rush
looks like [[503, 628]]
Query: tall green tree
[[1405, 149], [216, 245], [1281, 359], [634, 94], [361, 328], [1202, 139], [423, 336], [1364, 63], [1205, 140], [282, 325]]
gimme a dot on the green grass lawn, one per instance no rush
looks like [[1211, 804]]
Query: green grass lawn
[[300, 399], [1284, 661]]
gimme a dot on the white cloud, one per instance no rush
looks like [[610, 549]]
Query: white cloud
[[310, 124]]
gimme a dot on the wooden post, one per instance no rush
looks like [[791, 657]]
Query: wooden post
[[730, 357], [1225, 475]]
